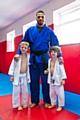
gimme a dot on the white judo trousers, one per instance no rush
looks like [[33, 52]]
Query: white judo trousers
[[59, 91], [23, 87]]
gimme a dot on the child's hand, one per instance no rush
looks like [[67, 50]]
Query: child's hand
[[45, 71], [61, 61], [12, 79], [62, 82]]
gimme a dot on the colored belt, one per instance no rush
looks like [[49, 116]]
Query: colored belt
[[38, 53]]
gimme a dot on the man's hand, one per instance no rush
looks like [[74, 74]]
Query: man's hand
[[16, 57], [61, 61]]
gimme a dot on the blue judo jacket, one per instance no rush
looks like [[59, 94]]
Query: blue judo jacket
[[40, 40]]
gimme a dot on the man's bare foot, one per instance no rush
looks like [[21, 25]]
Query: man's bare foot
[[33, 105], [46, 105], [51, 106]]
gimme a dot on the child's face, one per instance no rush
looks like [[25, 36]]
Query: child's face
[[23, 48], [53, 53]]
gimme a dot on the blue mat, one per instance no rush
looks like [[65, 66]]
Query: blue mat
[[5, 85], [72, 101]]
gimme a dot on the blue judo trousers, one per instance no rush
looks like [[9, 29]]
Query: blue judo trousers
[[40, 42]]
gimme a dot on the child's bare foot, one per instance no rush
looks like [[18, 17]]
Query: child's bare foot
[[24, 106], [59, 108], [20, 108]]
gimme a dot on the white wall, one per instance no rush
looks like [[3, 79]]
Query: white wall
[[48, 9]]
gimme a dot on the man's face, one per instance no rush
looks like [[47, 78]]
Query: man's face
[[40, 19]]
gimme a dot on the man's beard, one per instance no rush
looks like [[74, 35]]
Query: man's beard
[[40, 23]]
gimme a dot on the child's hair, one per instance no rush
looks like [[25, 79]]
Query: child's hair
[[24, 43], [55, 48]]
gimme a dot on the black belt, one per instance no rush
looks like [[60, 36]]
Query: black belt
[[38, 53]]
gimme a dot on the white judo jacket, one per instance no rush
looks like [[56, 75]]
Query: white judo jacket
[[59, 73], [14, 70]]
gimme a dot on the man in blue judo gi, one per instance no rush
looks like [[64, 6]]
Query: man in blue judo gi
[[40, 38]]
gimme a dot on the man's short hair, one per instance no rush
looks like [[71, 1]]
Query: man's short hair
[[40, 11]]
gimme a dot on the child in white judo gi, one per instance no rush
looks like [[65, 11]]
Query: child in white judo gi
[[19, 72], [56, 79]]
